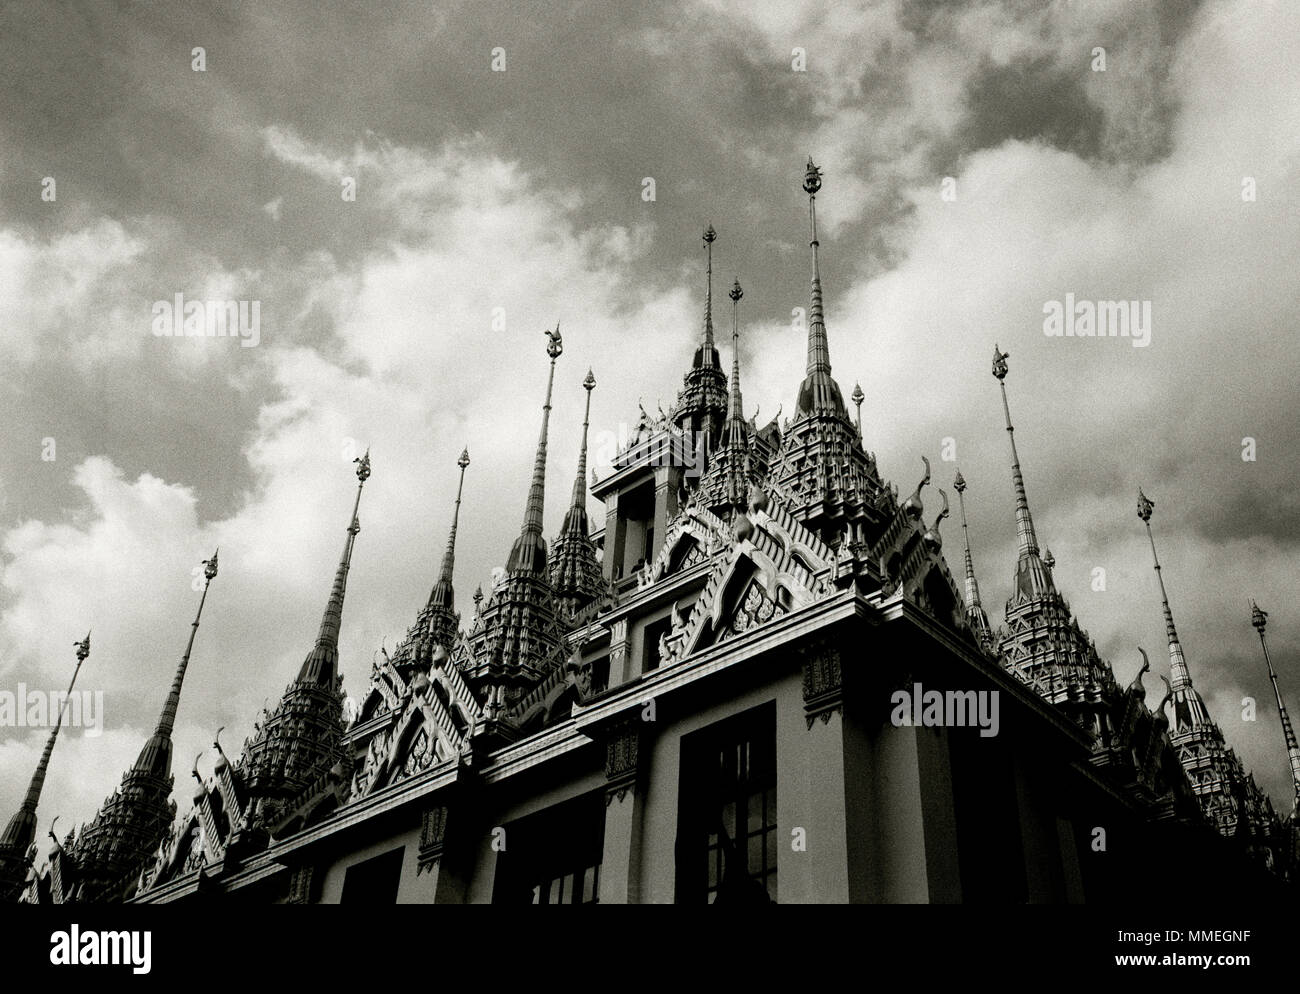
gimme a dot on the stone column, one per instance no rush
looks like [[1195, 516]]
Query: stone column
[[620, 866]]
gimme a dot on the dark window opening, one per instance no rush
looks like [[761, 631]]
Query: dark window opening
[[600, 674], [553, 857], [373, 881], [652, 633], [727, 831]]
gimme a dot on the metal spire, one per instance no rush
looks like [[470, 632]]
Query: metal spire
[[321, 665], [819, 356], [529, 550], [709, 350], [1177, 662], [979, 621], [167, 720], [21, 830], [1259, 619], [737, 412], [736, 441], [1033, 576], [442, 595], [819, 392], [576, 519]]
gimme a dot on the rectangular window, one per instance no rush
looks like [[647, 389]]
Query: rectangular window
[[726, 828], [373, 881], [650, 639], [554, 856]]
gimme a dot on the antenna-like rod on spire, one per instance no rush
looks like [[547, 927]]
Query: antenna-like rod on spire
[[442, 590], [1032, 575], [167, 720], [709, 237], [974, 608], [737, 408], [819, 356], [1177, 662], [38, 778], [575, 520], [1259, 619], [321, 665], [529, 551]]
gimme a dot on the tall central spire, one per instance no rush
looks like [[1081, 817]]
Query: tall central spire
[[710, 350], [1259, 619], [322, 663], [167, 720], [20, 833], [819, 353], [529, 551], [979, 621], [819, 392], [1177, 662], [1033, 576]]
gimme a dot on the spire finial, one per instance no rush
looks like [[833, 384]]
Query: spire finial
[[442, 596], [819, 357], [167, 720], [529, 550], [1259, 619], [858, 397], [1032, 576], [975, 614], [737, 412], [1177, 662], [709, 237], [576, 519], [321, 665], [38, 778]]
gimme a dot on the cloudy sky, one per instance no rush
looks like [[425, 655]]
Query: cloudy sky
[[517, 195]]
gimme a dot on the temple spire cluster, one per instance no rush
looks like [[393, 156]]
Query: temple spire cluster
[[777, 520]]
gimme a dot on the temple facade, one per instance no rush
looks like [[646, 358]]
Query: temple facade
[[756, 680]]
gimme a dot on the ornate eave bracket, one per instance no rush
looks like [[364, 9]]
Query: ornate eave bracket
[[623, 750], [823, 683], [433, 837]]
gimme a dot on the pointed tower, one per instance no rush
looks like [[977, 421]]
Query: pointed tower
[[302, 739], [443, 619], [518, 638], [725, 486], [1033, 576], [17, 842], [1227, 793], [115, 847], [702, 404], [975, 616], [437, 622], [1259, 619], [575, 570], [823, 471], [1043, 644]]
